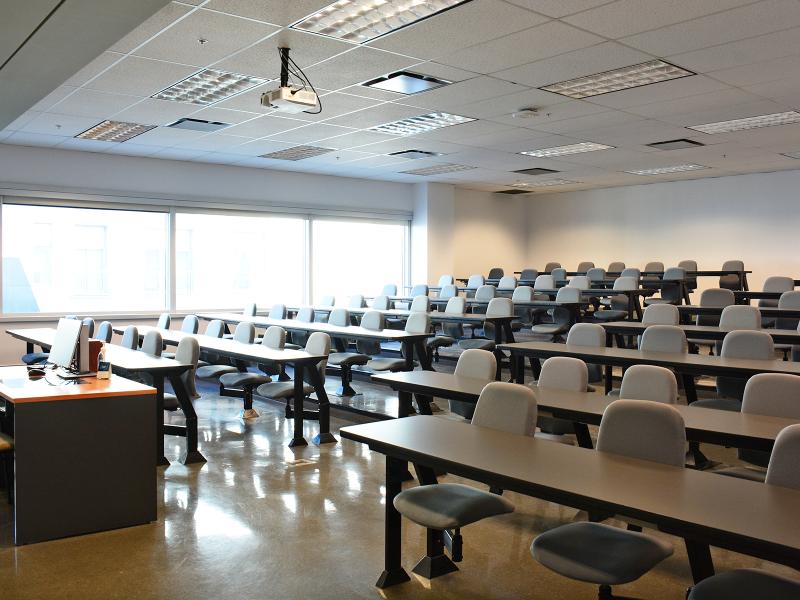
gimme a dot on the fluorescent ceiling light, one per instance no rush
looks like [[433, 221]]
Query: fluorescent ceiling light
[[421, 124], [438, 169], [114, 131], [653, 71], [298, 153], [406, 82], [665, 170], [363, 20], [208, 86], [783, 118], [792, 154], [564, 150]]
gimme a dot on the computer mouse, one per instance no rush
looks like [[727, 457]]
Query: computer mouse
[[36, 373]]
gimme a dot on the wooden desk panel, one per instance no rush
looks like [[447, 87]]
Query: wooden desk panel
[[18, 388]]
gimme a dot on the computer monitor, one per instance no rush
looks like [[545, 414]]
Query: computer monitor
[[62, 352]]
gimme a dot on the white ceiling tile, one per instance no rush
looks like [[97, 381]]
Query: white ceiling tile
[[586, 61], [263, 126], [56, 95], [785, 91], [87, 145], [156, 112], [221, 115], [26, 138], [479, 88], [214, 142], [464, 132], [63, 125], [770, 70], [311, 133], [22, 120], [278, 12], [133, 149], [336, 104], [259, 147], [636, 133], [627, 17], [152, 26], [371, 92], [249, 101], [456, 28], [576, 126], [378, 115], [558, 8], [91, 103], [738, 23], [414, 142], [499, 139], [492, 159], [167, 137], [356, 139], [359, 65], [539, 140], [338, 157], [224, 35], [140, 77], [509, 103], [656, 92], [542, 41], [94, 68], [550, 113], [693, 104], [441, 71]]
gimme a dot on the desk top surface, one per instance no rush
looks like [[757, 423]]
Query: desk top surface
[[399, 312], [766, 311], [637, 488], [705, 331], [18, 388]]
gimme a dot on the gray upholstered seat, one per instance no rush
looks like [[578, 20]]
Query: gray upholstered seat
[[617, 305], [734, 281], [449, 505], [663, 338], [372, 320], [104, 332], [548, 268], [152, 343], [380, 302], [716, 298], [562, 373], [164, 321], [478, 364], [390, 289], [653, 266], [563, 318], [507, 283], [649, 382], [528, 274], [496, 273], [596, 275], [319, 343], [421, 289], [616, 267], [447, 291], [670, 294], [498, 307], [446, 280], [245, 333], [451, 332], [188, 351], [774, 284], [418, 322], [746, 584], [305, 314], [584, 266], [190, 324], [661, 314], [130, 337], [580, 281], [593, 336], [559, 274], [522, 293]]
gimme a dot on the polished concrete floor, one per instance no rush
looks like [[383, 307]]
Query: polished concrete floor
[[261, 520]]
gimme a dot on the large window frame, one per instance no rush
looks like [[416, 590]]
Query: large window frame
[[172, 210]]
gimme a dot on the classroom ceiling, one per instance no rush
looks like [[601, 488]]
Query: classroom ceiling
[[496, 53]]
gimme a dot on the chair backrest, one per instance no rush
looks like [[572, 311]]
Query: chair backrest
[[616, 267], [688, 265], [419, 322], [522, 293], [104, 332], [584, 266], [507, 407], [548, 268], [564, 373], [661, 314], [544, 282], [421, 304], [496, 273], [380, 303], [568, 294], [446, 280], [305, 314], [475, 363], [788, 300], [559, 274], [339, 317], [733, 265], [421, 289], [772, 394], [373, 320], [580, 281], [624, 282], [244, 333], [654, 266], [250, 310], [596, 274], [485, 293], [191, 324], [733, 281], [645, 430], [319, 343], [507, 282], [632, 272], [188, 351], [500, 307], [130, 337], [456, 305], [278, 311], [356, 301], [663, 338], [740, 316], [674, 274], [152, 343], [717, 297], [475, 281], [648, 382], [778, 284], [587, 334], [448, 291], [389, 289], [274, 337], [328, 301], [89, 322], [215, 328], [782, 469], [748, 344], [164, 321], [529, 274]]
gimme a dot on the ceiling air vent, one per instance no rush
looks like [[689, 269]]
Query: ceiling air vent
[[414, 154], [406, 82], [198, 125], [675, 144], [536, 171]]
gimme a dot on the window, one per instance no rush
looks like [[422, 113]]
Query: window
[[227, 261], [58, 259], [357, 257]]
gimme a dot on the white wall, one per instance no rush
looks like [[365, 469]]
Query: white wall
[[754, 218]]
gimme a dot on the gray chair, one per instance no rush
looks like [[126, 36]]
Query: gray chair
[[507, 283], [476, 281], [654, 266], [418, 322], [152, 343], [661, 314], [190, 324], [617, 305], [596, 276], [215, 328], [602, 554], [277, 311], [389, 289], [443, 509], [583, 267], [421, 289], [733, 281], [485, 293], [774, 284], [451, 332], [372, 320], [593, 336], [522, 293], [496, 273], [632, 272], [89, 322], [447, 291], [562, 373], [477, 364], [250, 310], [498, 307], [691, 280], [716, 298], [421, 304], [581, 282], [104, 332], [746, 584], [130, 338], [670, 293], [548, 268], [446, 280], [738, 316], [529, 274], [245, 382], [559, 274], [663, 338], [563, 318], [544, 282], [164, 321], [648, 382], [321, 316], [245, 333], [616, 267], [188, 351], [380, 302], [788, 300]]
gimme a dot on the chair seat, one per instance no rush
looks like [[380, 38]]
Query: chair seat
[[441, 341], [731, 404], [214, 371], [278, 390], [449, 505], [743, 473], [744, 584], [649, 301], [598, 553], [33, 358], [549, 329], [288, 346], [240, 380], [171, 402], [6, 442], [479, 343], [347, 359], [610, 315], [168, 355], [387, 364]]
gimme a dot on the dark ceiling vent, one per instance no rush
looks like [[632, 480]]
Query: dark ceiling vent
[[198, 125], [512, 191], [675, 144], [414, 154], [536, 171]]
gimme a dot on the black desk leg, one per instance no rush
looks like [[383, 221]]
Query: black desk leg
[[299, 400], [424, 355], [324, 436], [158, 383], [700, 561], [393, 572], [408, 354], [689, 387], [536, 367], [424, 404], [404, 407], [608, 378], [29, 347], [582, 434], [509, 332], [638, 307], [192, 455]]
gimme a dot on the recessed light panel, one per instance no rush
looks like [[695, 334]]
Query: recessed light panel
[[114, 131], [414, 154], [198, 125], [536, 171], [653, 71], [363, 20], [208, 86], [438, 169], [675, 144], [666, 170], [406, 82], [421, 124], [298, 153], [564, 150], [784, 118]]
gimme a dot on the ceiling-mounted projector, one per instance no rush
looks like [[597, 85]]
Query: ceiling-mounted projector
[[289, 98]]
